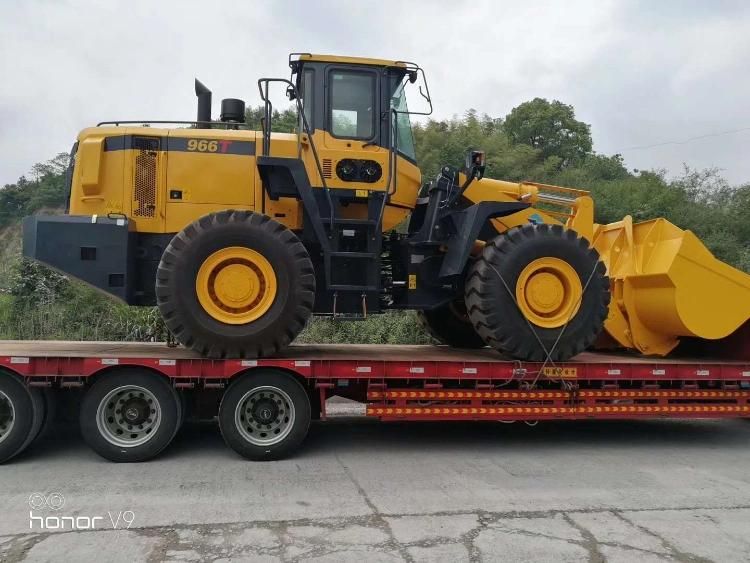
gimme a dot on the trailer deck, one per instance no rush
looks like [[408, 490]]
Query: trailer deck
[[592, 384], [413, 382]]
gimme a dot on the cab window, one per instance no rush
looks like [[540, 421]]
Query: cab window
[[404, 137], [352, 104]]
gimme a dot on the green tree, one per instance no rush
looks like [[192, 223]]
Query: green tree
[[552, 128], [284, 121]]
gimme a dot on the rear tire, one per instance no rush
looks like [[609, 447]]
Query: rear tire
[[557, 302], [39, 406], [130, 415], [265, 415], [450, 324], [50, 412], [20, 419], [210, 322]]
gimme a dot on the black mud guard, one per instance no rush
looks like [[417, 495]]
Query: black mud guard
[[282, 176], [468, 224]]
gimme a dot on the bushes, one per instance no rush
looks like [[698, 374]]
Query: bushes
[[76, 312], [392, 327]]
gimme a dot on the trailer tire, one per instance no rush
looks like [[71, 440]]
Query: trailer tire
[[546, 269], [450, 324], [235, 284], [39, 403], [131, 415], [265, 415], [50, 412], [20, 416]]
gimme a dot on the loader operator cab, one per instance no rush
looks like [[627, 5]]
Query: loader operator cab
[[359, 123], [358, 99]]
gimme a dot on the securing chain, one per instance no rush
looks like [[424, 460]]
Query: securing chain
[[548, 353]]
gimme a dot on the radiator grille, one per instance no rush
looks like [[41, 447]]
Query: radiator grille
[[144, 180], [327, 168]]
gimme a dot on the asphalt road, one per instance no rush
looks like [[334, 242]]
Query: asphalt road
[[364, 491]]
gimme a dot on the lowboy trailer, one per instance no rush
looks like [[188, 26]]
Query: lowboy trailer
[[135, 395]]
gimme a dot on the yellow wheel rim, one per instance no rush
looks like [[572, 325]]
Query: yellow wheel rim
[[236, 285], [549, 292]]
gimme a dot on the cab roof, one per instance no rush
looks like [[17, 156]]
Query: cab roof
[[349, 60]]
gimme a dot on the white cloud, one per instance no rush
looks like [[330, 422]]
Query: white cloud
[[639, 72]]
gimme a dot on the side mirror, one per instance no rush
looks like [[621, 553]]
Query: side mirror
[[475, 164], [413, 76]]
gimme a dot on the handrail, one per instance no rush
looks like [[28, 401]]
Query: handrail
[[266, 125], [235, 125]]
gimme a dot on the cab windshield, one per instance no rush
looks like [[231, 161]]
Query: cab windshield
[[404, 140]]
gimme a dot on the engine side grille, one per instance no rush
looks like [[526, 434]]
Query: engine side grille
[[144, 184], [327, 168]]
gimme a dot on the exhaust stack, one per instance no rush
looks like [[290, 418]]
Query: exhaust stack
[[204, 104]]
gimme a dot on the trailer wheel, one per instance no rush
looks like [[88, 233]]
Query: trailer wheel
[[130, 415], [450, 324], [21, 415], [544, 276], [265, 415], [235, 284]]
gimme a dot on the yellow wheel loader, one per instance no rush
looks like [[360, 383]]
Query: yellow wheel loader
[[240, 236]]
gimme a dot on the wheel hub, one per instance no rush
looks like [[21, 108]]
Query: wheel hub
[[549, 292], [236, 285], [265, 416], [7, 416], [128, 416], [135, 411], [265, 411], [544, 292]]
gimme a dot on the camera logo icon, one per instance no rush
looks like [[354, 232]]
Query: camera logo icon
[[52, 501]]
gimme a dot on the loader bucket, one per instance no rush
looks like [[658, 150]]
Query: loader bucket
[[666, 285]]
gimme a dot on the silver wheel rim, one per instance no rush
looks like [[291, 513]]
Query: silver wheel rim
[[7, 416], [264, 416], [128, 416]]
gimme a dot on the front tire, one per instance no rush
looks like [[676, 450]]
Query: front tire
[[538, 283], [235, 284], [265, 415]]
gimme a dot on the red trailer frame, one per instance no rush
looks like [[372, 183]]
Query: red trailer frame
[[424, 382]]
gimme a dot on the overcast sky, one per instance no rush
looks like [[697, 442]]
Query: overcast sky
[[640, 72]]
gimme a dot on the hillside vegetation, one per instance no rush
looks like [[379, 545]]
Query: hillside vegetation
[[539, 141]]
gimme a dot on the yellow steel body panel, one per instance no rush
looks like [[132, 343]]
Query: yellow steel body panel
[[212, 177], [191, 163], [91, 149], [98, 177], [562, 206]]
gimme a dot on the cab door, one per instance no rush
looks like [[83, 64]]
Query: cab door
[[351, 157]]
